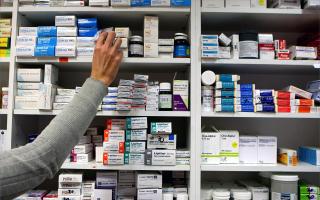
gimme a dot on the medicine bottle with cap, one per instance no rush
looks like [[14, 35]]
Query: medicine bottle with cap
[[165, 97], [248, 45], [181, 46], [136, 46]]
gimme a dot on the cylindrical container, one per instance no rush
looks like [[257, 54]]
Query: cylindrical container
[[165, 97], [182, 196], [167, 196], [181, 46], [136, 46], [248, 45], [207, 99], [220, 195], [284, 187], [208, 78], [4, 97], [241, 195]]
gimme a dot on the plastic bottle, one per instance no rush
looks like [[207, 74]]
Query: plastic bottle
[[165, 97], [136, 46], [181, 46]]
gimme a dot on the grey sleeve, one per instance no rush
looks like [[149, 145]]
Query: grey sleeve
[[24, 168]]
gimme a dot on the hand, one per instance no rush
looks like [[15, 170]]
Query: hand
[[106, 58]]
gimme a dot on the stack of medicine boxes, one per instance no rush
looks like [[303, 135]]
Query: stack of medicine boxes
[[106, 185], [127, 185], [245, 101], [209, 46], [113, 142], [125, 94], [149, 185], [109, 102], [151, 36], [136, 128], [28, 88], [124, 33], [88, 27], [5, 35], [153, 96], [102, 3], [82, 157], [135, 141], [226, 85], [161, 144], [139, 92], [83, 151], [166, 47], [266, 46], [284, 101], [63, 97], [87, 190], [265, 100], [85, 45], [303, 100], [70, 186], [66, 32]]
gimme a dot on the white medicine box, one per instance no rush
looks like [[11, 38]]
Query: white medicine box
[[213, 4], [248, 149], [267, 150], [238, 3]]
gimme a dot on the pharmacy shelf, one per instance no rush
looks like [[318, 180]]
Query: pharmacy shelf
[[262, 115], [128, 64], [252, 65], [3, 111], [99, 166], [5, 10], [301, 167], [112, 113], [268, 19], [130, 16]]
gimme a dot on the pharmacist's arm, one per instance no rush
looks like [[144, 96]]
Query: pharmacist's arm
[[26, 167]]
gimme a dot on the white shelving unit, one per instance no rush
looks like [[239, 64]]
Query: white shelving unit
[[285, 23], [99, 166]]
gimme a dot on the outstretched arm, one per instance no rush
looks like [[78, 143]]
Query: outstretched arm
[[25, 168]]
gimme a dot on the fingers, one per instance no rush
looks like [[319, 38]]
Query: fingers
[[110, 39], [101, 39], [115, 62], [117, 44]]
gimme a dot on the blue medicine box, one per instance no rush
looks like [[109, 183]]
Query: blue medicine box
[[47, 31], [88, 23], [309, 155], [139, 3], [46, 41], [44, 51], [180, 2], [87, 32]]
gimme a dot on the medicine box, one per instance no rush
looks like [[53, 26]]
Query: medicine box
[[151, 50], [210, 148], [180, 95], [113, 158], [151, 29], [248, 150], [44, 51], [127, 176], [28, 93], [136, 134], [161, 128], [83, 148], [28, 86], [139, 3], [147, 180], [87, 32], [46, 98], [66, 92], [114, 135], [25, 51], [106, 179], [87, 22], [126, 189], [284, 4], [213, 3], [63, 99], [102, 3], [166, 42], [122, 32], [47, 31], [66, 41], [258, 3], [180, 153], [26, 40], [70, 178], [28, 31], [116, 124], [103, 194], [267, 150], [120, 3], [26, 102], [70, 20], [99, 154], [162, 141], [182, 3], [46, 41], [134, 158], [85, 41], [287, 157], [137, 123], [238, 3], [29, 75], [160, 3], [135, 147], [147, 194], [51, 73], [229, 146], [310, 155], [69, 192], [160, 157], [115, 147], [65, 51]]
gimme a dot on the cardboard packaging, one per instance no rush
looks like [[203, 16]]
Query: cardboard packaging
[[26, 40], [113, 158], [162, 141], [160, 3], [158, 157], [66, 41], [83, 148], [70, 20], [288, 157], [134, 158], [267, 150], [120, 3], [238, 4], [114, 135], [28, 86], [147, 180], [47, 94], [51, 74], [26, 103], [25, 51], [137, 134], [99, 154], [137, 123], [180, 95], [147, 194], [229, 146], [122, 32], [248, 150], [258, 3], [210, 148], [106, 179], [28, 31], [161, 128], [212, 3], [29, 75], [135, 147], [65, 51]]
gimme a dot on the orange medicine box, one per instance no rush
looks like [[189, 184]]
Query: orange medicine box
[[288, 157], [113, 158], [114, 135], [116, 124]]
